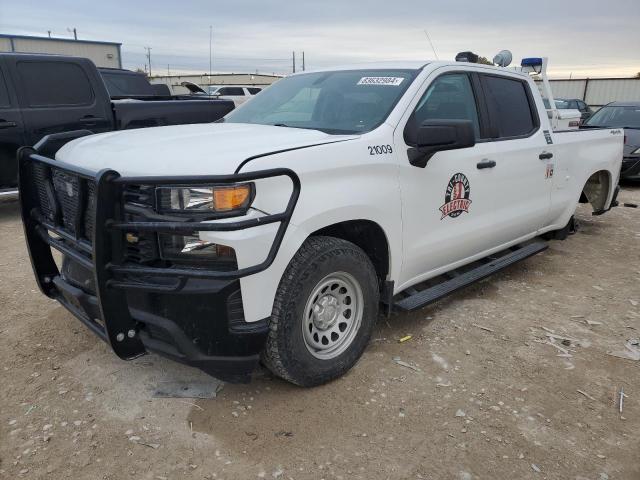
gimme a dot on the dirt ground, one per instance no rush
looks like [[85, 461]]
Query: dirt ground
[[492, 396]]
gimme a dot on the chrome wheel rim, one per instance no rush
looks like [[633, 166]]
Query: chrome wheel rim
[[332, 315]]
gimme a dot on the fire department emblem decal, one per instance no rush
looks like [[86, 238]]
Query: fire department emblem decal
[[456, 197]]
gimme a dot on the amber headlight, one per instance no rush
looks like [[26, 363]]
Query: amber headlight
[[234, 198]]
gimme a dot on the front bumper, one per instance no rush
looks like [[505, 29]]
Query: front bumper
[[192, 314], [630, 168]]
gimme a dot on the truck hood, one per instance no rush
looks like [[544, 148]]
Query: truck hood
[[202, 149]]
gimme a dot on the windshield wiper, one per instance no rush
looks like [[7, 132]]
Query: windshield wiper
[[293, 126], [330, 131]]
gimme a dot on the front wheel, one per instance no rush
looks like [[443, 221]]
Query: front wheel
[[324, 312]]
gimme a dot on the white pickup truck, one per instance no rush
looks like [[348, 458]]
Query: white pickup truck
[[276, 233]]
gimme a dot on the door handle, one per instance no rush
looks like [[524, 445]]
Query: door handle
[[545, 156], [486, 164], [4, 124], [90, 120]]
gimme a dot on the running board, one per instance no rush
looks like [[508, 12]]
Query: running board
[[430, 295]]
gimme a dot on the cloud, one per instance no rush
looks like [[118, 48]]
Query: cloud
[[581, 37]]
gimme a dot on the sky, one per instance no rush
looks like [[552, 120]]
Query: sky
[[594, 38]]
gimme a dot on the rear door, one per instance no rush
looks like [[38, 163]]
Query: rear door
[[58, 95], [11, 131], [523, 153]]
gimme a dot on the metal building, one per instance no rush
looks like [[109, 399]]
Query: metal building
[[103, 54], [598, 91], [255, 79]]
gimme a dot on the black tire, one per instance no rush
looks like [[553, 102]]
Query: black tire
[[286, 354]]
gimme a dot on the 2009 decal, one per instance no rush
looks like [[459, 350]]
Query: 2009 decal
[[380, 149]]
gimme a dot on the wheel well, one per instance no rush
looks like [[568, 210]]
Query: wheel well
[[596, 190], [366, 234]]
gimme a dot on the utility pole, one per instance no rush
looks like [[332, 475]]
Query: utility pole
[[148, 49], [75, 34], [210, 50], [303, 60], [168, 71], [49, 32], [294, 62]]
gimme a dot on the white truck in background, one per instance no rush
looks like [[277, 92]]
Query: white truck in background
[[560, 119], [275, 233]]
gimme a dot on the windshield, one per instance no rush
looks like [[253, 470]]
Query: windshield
[[617, 117], [560, 104], [126, 84], [340, 102]]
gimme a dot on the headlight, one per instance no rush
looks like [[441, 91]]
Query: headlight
[[636, 151], [192, 248], [206, 199]]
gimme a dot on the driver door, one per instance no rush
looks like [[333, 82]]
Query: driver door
[[446, 206]]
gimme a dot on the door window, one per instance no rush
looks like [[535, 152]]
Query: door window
[[449, 97], [254, 91], [4, 93], [231, 91], [510, 106], [48, 84]]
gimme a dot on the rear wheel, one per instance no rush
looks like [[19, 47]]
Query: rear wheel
[[324, 312]]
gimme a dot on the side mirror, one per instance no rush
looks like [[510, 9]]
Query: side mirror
[[438, 135]]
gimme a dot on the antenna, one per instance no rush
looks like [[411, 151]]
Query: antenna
[[431, 43]]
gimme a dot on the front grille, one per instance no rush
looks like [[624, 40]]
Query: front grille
[[141, 195], [65, 199], [90, 212], [141, 247], [40, 175], [67, 191]]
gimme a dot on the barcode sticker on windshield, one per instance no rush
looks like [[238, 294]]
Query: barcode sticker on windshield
[[394, 81]]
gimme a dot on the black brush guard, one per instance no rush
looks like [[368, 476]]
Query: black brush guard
[[107, 313]]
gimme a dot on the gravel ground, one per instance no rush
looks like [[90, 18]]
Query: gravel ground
[[492, 395]]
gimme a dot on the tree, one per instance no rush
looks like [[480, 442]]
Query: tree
[[638, 75], [485, 61]]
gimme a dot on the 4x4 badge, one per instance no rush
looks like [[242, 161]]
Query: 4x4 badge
[[456, 197]]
